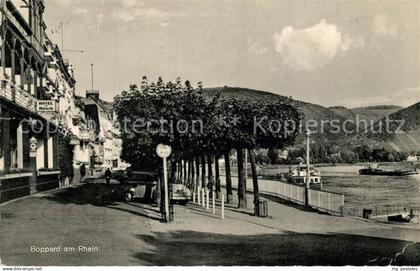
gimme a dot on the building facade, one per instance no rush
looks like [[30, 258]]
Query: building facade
[[108, 145], [40, 115], [46, 131], [23, 75]]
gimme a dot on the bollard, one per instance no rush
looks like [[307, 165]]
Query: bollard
[[207, 200], [214, 202], [223, 206]]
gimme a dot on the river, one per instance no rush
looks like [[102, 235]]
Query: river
[[371, 190]]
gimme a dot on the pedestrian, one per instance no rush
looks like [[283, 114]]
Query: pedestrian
[[108, 176], [82, 172]]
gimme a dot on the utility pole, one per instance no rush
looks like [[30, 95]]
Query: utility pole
[[62, 34], [308, 173], [91, 72]]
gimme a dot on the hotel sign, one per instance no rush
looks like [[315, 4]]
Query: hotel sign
[[46, 106]]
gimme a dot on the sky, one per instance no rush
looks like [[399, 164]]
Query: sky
[[349, 53]]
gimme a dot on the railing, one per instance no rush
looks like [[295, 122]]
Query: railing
[[328, 202], [383, 211], [290, 192], [323, 201], [50, 116], [17, 95]]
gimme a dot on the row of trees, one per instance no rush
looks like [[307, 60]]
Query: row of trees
[[324, 153], [200, 130]]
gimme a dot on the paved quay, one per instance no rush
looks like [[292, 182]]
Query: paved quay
[[131, 234]]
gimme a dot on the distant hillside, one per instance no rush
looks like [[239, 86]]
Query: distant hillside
[[407, 122], [370, 114], [309, 110], [408, 141]]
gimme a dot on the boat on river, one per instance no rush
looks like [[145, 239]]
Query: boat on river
[[298, 175], [401, 217], [373, 169]]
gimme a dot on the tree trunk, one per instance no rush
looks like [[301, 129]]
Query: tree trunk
[[203, 172], [185, 172], [255, 182], [173, 171], [210, 181], [229, 196], [241, 180], [180, 170], [217, 173], [191, 173]]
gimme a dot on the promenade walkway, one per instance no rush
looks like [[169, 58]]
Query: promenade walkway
[[131, 234]]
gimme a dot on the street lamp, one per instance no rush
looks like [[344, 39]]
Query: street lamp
[[308, 173]]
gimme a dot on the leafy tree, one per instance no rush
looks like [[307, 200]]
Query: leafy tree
[[273, 155]]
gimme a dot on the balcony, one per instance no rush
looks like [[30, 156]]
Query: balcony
[[50, 117], [17, 95], [22, 98]]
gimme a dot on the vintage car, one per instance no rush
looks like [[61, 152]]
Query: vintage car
[[180, 194], [139, 184]]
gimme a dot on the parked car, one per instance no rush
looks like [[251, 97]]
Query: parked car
[[139, 184], [180, 194], [118, 174]]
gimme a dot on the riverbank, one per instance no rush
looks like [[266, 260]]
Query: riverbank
[[131, 234], [289, 236]]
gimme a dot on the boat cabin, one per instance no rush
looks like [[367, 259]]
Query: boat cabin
[[298, 174]]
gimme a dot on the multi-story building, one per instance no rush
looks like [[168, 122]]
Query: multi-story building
[[22, 74], [38, 105], [108, 144]]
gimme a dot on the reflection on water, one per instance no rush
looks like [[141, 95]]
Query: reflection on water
[[371, 190]]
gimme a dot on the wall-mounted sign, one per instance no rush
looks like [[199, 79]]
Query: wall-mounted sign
[[32, 147], [46, 106]]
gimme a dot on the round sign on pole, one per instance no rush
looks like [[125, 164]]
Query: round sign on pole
[[163, 151]]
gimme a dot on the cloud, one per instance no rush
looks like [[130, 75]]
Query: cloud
[[311, 48], [382, 27], [255, 48], [149, 15]]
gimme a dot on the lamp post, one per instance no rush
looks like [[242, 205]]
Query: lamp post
[[91, 73], [308, 173]]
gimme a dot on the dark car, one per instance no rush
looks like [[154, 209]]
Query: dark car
[[139, 184], [180, 194]]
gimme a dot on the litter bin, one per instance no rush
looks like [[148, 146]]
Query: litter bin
[[263, 208], [171, 212], [367, 213]]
